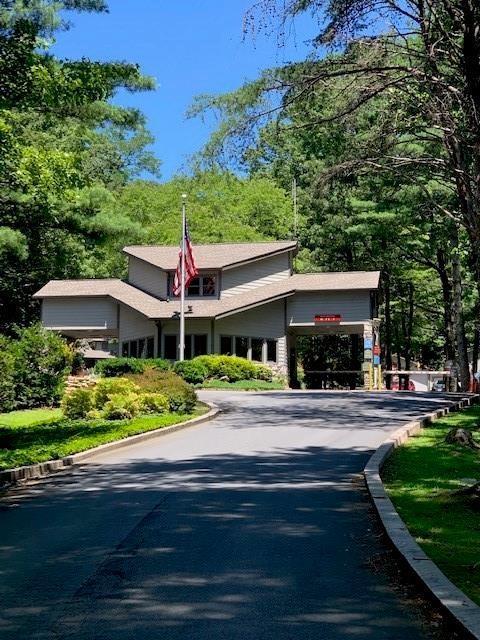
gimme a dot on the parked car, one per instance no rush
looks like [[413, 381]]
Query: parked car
[[439, 386]]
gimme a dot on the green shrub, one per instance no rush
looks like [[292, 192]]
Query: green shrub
[[193, 371], [108, 387], [231, 368], [153, 403], [7, 386], [42, 362], [77, 404], [122, 406], [181, 396], [114, 367]]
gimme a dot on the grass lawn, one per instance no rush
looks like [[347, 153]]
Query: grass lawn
[[27, 437], [243, 385], [419, 477]]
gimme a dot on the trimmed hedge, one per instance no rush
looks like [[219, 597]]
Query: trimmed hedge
[[115, 367], [230, 368]]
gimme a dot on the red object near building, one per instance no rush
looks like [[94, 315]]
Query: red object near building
[[328, 317]]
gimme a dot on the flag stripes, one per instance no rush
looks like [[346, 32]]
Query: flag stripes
[[191, 270]]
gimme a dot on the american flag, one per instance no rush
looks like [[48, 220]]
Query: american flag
[[191, 270]]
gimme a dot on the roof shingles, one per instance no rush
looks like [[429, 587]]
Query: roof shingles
[[155, 308]]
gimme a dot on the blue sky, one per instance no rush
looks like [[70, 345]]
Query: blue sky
[[190, 47]]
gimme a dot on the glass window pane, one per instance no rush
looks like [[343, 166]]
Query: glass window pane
[[171, 347], [150, 347], [188, 347], [141, 348], [241, 347], [208, 283], [125, 349], [133, 349], [194, 287], [200, 345], [257, 348], [226, 345], [271, 350]]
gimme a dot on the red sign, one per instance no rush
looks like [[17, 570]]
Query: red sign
[[328, 317], [376, 350]]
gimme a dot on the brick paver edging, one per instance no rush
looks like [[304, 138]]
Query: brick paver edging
[[31, 472], [457, 604]]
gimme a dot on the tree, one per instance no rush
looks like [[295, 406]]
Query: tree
[[64, 151]]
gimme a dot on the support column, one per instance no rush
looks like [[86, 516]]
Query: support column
[[367, 355], [292, 361]]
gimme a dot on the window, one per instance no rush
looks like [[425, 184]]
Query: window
[[209, 286], [200, 345], [171, 347], [150, 347], [188, 347], [195, 345], [141, 348], [203, 286], [226, 345], [193, 288], [271, 350], [257, 349], [241, 347], [125, 349], [133, 349]]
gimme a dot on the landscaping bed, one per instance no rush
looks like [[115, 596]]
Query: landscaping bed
[[29, 437], [423, 478], [243, 385]]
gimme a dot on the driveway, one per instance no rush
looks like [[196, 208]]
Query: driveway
[[253, 526]]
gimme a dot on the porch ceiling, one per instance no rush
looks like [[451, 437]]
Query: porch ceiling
[[339, 328]]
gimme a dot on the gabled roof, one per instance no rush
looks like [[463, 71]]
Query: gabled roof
[[211, 256], [156, 309]]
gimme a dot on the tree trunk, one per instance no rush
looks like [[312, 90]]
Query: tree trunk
[[388, 327], [461, 340], [447, 295]]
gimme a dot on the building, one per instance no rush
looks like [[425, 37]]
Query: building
[[246, 301]]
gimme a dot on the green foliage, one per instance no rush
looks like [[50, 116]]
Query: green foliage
[[229, 367], [153, 403], [193, 371], [7, 368], [181, 396], [108, 387], [121, 406], [244, 385], [42, 361], [40, 435], [77, 404], [120, 366], [421, 478]]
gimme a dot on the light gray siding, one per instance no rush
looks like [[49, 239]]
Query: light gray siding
[[353, 306], [79, 313], [255, 274], [134, 326], [147, 277], [266, 321]]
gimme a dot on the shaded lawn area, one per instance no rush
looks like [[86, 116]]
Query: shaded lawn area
[[27, 437], [243, 385], [420, 477]]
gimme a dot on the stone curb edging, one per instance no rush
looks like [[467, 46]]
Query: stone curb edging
[[43, 469], [451, 598]]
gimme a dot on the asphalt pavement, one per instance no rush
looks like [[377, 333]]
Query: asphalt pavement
[[253, 526]]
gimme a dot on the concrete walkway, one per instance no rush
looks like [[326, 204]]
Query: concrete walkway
[[248, 527]]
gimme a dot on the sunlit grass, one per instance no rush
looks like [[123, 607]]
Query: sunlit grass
[[28, 437], [420, 477], [244, 385]]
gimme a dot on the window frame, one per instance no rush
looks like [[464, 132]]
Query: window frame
[[201, 283]]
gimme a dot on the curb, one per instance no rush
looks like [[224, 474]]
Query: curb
[[43, 469], [463, 610]]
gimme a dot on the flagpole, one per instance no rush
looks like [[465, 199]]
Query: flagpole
[[182, 291]]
